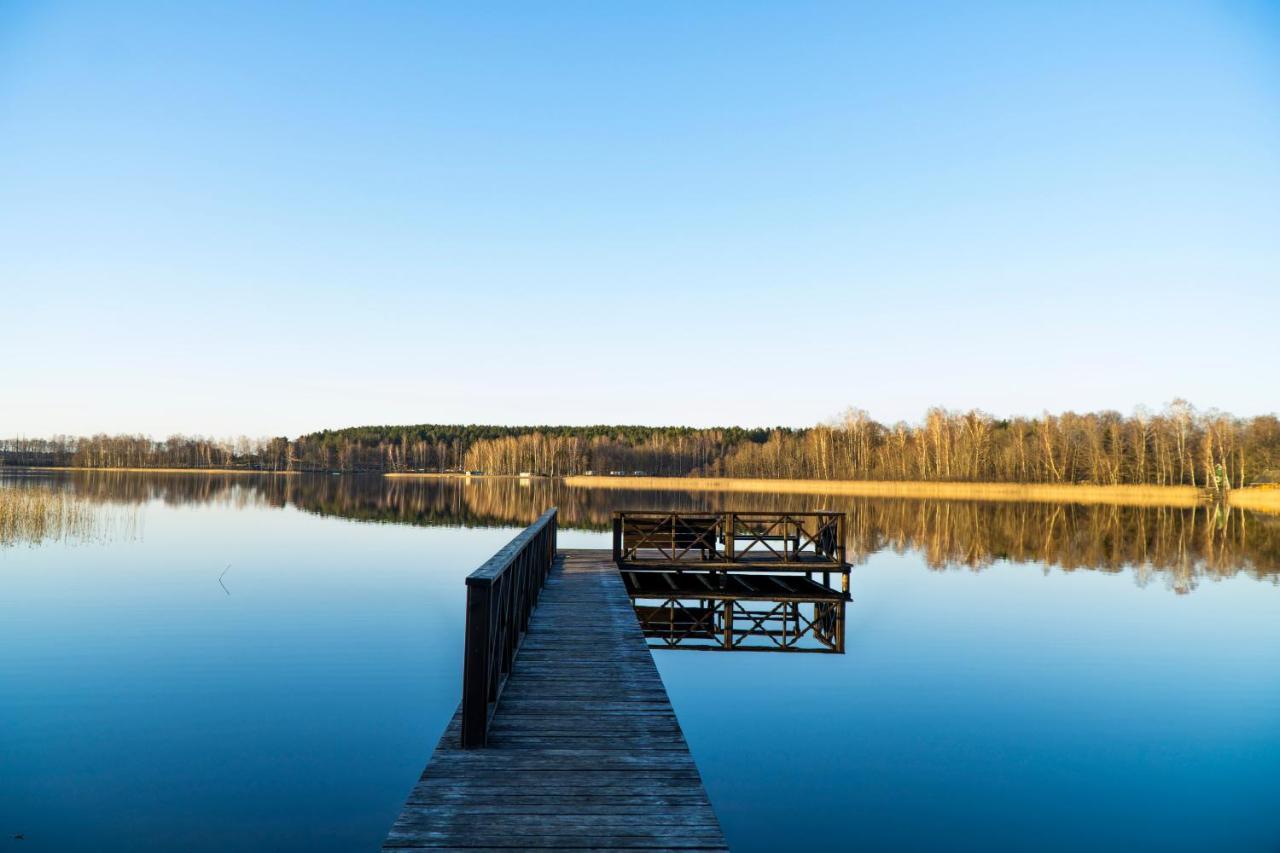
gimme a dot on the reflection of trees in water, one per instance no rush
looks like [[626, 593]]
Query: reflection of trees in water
[[1179, 545], [123, 487]]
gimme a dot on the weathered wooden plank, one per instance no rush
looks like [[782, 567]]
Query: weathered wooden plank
[[586, 760], [585, 751], [616, 742], [567, 842], [556, 799], [461, 820], [634, 721], [676, 811], [537, 785]]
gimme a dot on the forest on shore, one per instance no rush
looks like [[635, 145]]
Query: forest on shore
[[1179, 445]]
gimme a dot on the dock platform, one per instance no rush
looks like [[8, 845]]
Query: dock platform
[[583, 748]]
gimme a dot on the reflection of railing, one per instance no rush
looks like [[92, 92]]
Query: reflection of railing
[[763, 613], [797, 540], [501, 596]]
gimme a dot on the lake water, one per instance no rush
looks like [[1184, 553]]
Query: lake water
[[245, 663]]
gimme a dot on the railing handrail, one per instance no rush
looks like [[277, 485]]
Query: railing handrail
[[492, 568], [696, 542], [501, 596]]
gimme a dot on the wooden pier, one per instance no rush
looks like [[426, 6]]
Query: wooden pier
[[583, 751], [572, 743]]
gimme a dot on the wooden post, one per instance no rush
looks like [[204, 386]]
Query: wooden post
[[728, 537], [840, 625], [617, 537], [475, 669]]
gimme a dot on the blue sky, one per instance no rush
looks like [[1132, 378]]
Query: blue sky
[[226, 218]]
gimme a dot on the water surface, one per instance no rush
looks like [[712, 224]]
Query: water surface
[[238, 662]]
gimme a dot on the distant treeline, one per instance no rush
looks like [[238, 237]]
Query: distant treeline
[[1177, 446]]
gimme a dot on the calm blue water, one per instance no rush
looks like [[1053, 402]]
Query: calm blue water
[[143, 706], [1001, 711]]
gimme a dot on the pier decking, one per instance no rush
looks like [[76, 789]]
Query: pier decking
[[583, 748]]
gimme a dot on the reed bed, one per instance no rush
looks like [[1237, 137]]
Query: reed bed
[[35, 514], [1260, 498], [1170, 496]]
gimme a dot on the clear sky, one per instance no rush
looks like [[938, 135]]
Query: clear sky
[[231, 217]]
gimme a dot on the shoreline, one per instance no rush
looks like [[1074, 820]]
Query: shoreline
[[1260, 498]]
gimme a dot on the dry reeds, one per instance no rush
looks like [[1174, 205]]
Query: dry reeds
[[1261, 498], [36, 514], [1173, 496]]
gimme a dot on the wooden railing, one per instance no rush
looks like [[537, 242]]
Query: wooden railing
[[501, 596], [707, 539]]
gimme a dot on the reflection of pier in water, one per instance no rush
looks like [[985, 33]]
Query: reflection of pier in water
[[730, 612]]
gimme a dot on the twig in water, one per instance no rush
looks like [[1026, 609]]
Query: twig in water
[[221, 576]]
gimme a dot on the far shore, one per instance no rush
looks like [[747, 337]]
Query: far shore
[[1264, 498]]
